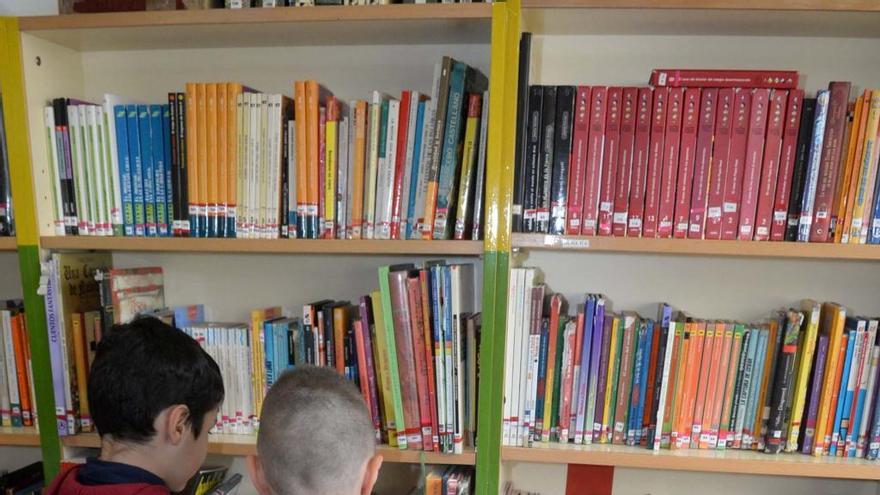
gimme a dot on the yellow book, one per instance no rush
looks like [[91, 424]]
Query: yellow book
[[852, 138], [468, 167], [803, 365], [381, 352], [233, 122], [357, 179], [331, 135], [258, 353], [858, 228], [609, 384], [833, 320], [82, 368], [192, 154], [212, 178]]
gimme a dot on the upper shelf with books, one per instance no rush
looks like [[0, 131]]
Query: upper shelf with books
[[697, 247], [729, 461], [264, 246], [242, 445], [7, 244], [808, 18], [218, 28]]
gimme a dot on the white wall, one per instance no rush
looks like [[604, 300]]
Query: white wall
[[28, 7]]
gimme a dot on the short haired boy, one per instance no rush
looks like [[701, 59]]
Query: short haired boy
[[316, 437], [153, 394]]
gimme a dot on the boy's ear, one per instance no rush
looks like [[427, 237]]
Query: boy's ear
[[258, 476], [176, 423], [371, 474]]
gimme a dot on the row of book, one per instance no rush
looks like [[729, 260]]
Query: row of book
[[451, 480], [7, 223], [804, 380], [17, 406], [27, 480], [222, 160]]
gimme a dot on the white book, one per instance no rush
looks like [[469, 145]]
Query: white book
[[403, 218], [107, 175], [5, 398], [342, 171], [515, 360], [439, 360], [274, 171], [96, 172], [241, 117], [523, 356], [869, 400], [372, 172], [462, 277], [79, 175], [254, 168], [385, 180], [350, 168], [11, 375], [291, 180], [67, 413], [245, 166], [664, 385], [514, 306], [110, 102], [427, 154], [534, 353], [262, 176], [90, 167], [54, 170], [864, 379]]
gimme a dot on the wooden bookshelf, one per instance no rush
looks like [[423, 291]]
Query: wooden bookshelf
[[8, 244], [215, 28], [769, 5], [731, 461], [264, 246], [21, 437], [697, 247], [242, 445]]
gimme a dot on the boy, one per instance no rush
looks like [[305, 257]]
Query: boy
[[154, 394], [316, 438]]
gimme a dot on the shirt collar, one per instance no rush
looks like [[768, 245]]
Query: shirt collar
[[100, 472]]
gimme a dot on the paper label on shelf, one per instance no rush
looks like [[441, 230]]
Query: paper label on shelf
[[568, 242], [745, 229]]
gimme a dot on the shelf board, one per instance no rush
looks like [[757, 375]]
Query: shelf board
[[264, 246], [697, 247], [24, 437], [819, 18], [242, 445], [287, 26], [8, 244], [730, 461]]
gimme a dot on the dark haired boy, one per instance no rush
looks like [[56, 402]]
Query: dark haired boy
[[154, 394]]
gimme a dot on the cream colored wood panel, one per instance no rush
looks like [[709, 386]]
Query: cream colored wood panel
[[10, 277]]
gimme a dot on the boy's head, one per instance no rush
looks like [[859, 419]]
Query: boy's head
[[154, 394], [316, 437]]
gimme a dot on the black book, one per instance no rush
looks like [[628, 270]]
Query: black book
[[532, 159], [25, 481], [783, 383], [565, 96], [181, 191], [285, 178], [658, 382], [175, 165], [65, 166], [522, 129], [545, 171], [799, 173], [738, 388], [7, 226]]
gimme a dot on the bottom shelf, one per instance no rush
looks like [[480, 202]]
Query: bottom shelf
[[26, 437], [729, 461], [242, 445]]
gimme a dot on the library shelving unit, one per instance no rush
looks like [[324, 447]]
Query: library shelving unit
[[7, 244]]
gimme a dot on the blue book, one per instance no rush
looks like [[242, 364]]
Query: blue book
[[124, 158], [414, 178], [148, 170], [874, 225], [450, 153], [812, 175], [873, 431], [137, 170], [158, 152], [542, 371], [169, 185], [186, 316], [637, 383], [269, 348], [844, 379], [850, 396], [448, 341], [757, 377], [646, 361]]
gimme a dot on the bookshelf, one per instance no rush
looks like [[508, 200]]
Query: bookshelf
[[7, 244], [19, 437]]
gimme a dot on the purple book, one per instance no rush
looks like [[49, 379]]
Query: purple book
[[583, 379], [59, 381], [602, 377], [815, 392]]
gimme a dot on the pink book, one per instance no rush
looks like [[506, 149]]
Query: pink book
[[578, 166], [595, 148], [610, 159], [735, 165], [686, 160], [770, 169], [786, 164], [625, 161], [640, 163], [720, 151], [414, 294], [752, 168], [671, 147], [702, 165], [406, 363], [655, 163]]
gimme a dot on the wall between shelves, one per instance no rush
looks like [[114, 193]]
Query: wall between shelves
[[29, 7], [12, 458], [10, 277]]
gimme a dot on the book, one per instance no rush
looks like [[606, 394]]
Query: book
[[774, 79]]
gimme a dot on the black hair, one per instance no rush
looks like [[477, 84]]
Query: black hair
[[144, 367]]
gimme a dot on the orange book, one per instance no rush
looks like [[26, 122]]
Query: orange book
[[79, 353], [222, 158], [340, 330], [725, 436], [708, 378], [258, 355], [844, 173], [302, 177], [233, 90], [358, 168], [313, 96], [202, 169], [833, 323], [19, 343], [192, 156], [850, 165], [857, 166], [667, 426], [680, 383], [213, 173], [689, 398], [712, 416]]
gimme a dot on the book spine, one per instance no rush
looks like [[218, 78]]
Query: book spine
[[772, 79], [173, 154], [719, 166], [403, 414], [438, 146], [330, 169], [752, 166], [583, 383], [788, 154], [562, 147], [854, 134], [595, 160], [444, 213], [813, 166], [467, 180], [532, 159], [703, 164], [522, 125], [770, 169], [416, 315], [641, 157], [111, 150], [655, 163], [158, 145], [383, 368], [802, 154], [661, 386], [624, 382], [595, 358], [686, 162], [579, 154], [708, 365], [735, 366], [735, 165], [671, 150], [867, 179], [544, 172], [402, 165], [623, 179], [829, 161], [125, 170], [610, 161], [482, 157], [137, 171], [602, 378]]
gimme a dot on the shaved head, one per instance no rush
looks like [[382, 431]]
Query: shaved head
[[316, 435]]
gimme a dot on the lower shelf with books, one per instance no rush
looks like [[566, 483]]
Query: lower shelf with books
[[242, 445], [729, 461], [19, 437]]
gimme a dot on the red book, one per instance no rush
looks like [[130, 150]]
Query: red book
[[610, 159], [640, 163], [720, 151], [414, 293], [829, 167], [578, 167], [686, 160], [362, 362], [735, 164], [625, 161], [429, 356], [703, 163], [754, 159], [773, 79], [593, 173], [322, 164], [786, 164], [770, 169], [671, 147], [406, 364], [649, 384], [655, 163], [400, 166]]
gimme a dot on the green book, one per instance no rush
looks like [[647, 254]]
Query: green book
[[557, 383], [618, 349], [388, 323]]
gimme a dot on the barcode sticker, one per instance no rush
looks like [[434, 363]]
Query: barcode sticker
[[763, 231], [745, 229], [682, 227], [517, 209], [695, 227], [714, 212], [856, 223], [779, 215], [729, 207], [665, 224], [558, 211], [543, 215], [574, 223], [821, 214], [590, 223], [605, 206], [635, 223], [619, 217], [806, 220]]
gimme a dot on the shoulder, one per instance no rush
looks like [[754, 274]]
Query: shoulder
[[151, 490], [67, 474]]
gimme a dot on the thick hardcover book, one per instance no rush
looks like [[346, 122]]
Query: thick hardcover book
[[752, 167], [720, 155], [799, 172], [669, 175], [565, 101], [546, 160], [703, 163], [532, 159], [655, 163], [578, 167], [811, 176], [770, 168], [735, 165], [641, 154], [610, 159], [625, 161], [772, 79], [686, 162], [522, 129], [829, 167], [595, 148], [787, 158]]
